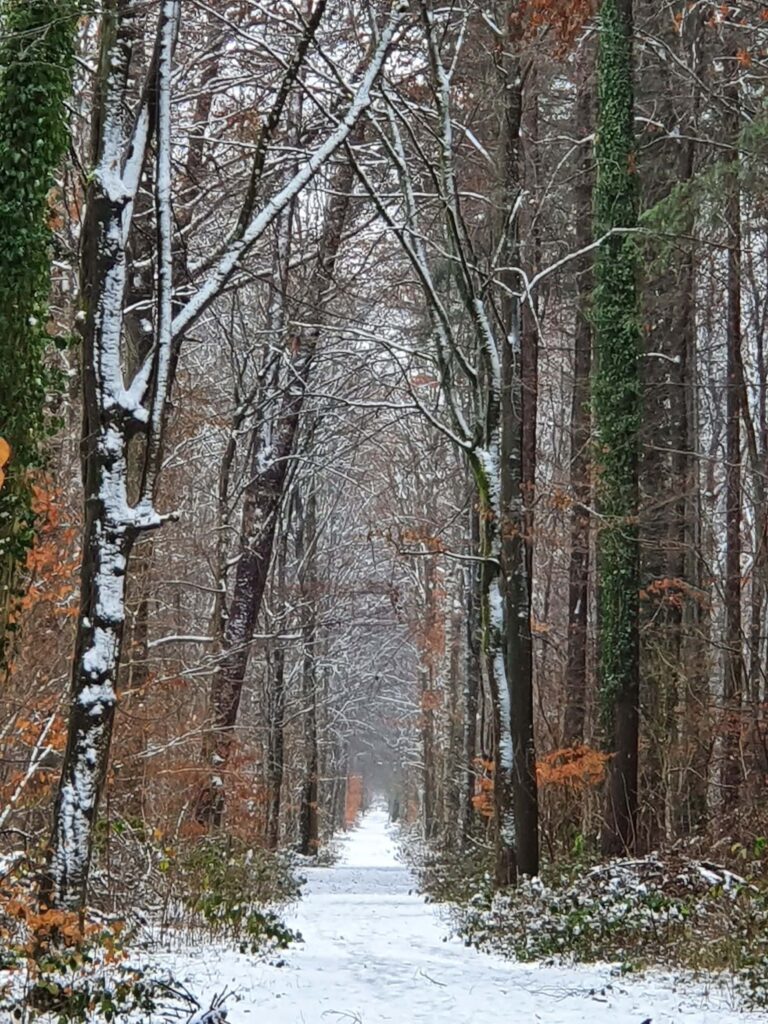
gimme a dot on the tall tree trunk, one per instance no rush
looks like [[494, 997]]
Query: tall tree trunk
[[732, 641], [453, 774], [517, 458], [580, 461], [427, 673], [276, 705], [306, 554], [112, 419], [616, 410], [472, 673], [666, 481], [37, 50], [497, 716], [518, 653]]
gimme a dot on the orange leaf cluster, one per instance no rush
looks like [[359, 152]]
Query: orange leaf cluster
[[672, 591], [577, 768], [353, 804], [563, 19], [429, 541], [5, 458], [51, 564], [482, 800], [34, 928]]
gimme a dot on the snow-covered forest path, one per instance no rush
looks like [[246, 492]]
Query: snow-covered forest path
[[374, 952]]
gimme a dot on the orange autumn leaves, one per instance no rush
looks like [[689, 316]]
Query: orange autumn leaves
[[561, 21], [570, 768], [353, 802], [53, 562], [5, 458]]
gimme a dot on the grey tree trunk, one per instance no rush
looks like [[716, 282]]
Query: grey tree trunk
[[581, 422], [472, 671], [732, 641], [306, 554]]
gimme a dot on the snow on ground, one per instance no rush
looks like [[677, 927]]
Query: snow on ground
[[374, 952]]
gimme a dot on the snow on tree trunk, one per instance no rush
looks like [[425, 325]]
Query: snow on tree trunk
[[113, 415], [116, 415]]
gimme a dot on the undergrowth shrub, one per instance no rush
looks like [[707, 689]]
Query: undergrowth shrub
[[214, 887], [456, 876], [229, 890], [63, 967], [687, 914], [58, 967]]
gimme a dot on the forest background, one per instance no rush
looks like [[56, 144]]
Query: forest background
[[384, 404]]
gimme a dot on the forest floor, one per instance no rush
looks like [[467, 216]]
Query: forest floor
[[373, 951]]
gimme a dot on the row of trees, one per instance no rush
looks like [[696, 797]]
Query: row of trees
[[437, 332]]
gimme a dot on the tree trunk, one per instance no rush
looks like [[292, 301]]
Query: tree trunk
[[517, 467], [580, 463], [732, 641], [37, 50], [453, 774], [472, 672], [306, 554], [518, 650], [276, 706], [112, 417], [616, 410]]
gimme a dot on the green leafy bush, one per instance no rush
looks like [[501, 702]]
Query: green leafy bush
[[687, 914], [230, 890]]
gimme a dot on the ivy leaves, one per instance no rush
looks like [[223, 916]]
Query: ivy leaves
[[36, 59]]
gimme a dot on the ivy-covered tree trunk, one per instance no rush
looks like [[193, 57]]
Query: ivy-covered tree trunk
[[616, 410], [36, 59]]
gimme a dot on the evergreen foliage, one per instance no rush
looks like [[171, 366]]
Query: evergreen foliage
[[36, 60]]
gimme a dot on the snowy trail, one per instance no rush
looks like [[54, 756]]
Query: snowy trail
[[374, 952]]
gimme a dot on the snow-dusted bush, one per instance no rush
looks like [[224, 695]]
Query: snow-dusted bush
[[229, 890], [635, 912], [61, 967]]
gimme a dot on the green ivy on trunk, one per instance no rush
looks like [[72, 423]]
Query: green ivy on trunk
[[616, 397], [36, 60]]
